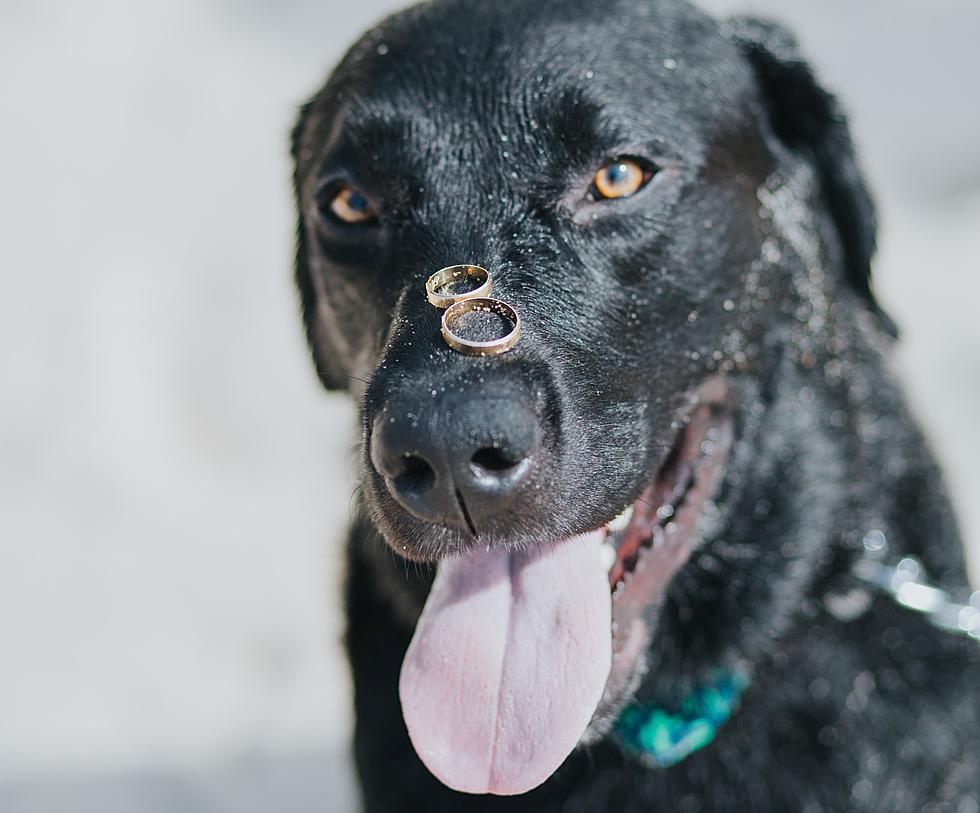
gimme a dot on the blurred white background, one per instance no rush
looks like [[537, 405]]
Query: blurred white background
[[173, 484]]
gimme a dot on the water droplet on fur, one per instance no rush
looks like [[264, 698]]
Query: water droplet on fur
[[819, 688], [689, 804], [862, 790], [874, 541]]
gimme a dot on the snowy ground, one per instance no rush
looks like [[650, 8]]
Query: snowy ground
[[172, 483]]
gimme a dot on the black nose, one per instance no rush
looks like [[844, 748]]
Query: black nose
[[457, 460]]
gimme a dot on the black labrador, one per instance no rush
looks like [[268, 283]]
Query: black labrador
[[618, 567]]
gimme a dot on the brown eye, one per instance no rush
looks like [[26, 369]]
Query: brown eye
[[620, 179], [350, 206]]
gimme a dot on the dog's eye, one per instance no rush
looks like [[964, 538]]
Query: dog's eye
[[620, 179], [349, 205]]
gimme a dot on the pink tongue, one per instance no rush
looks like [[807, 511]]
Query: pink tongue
[[508, 663]]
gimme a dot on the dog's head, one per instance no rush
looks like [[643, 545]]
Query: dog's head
[[674, 209]]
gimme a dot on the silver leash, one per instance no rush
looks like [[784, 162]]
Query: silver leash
[[908, 585]]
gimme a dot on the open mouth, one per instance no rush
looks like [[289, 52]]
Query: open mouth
[[520, 655], [651, 540]]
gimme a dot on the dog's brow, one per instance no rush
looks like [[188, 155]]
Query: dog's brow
[[372, 131], [584, 128]]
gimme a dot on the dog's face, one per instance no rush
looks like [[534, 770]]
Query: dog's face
[[491, 149], [604, 162]]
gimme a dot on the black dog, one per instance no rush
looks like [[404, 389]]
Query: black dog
[[673, 207]]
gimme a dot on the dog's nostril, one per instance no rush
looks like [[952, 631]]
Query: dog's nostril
[[416, 475], [493, 461]]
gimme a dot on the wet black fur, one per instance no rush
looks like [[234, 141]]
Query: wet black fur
[[748, 255]]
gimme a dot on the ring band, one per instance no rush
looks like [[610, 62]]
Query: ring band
[[470, 348], [455, 273]]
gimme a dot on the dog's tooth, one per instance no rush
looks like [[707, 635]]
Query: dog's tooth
[[608, 554], [621, 523]]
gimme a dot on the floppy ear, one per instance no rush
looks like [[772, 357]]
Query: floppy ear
[[809, 120], [331, 377]]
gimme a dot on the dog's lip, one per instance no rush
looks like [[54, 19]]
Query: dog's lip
[[653, 538], [654, 517]]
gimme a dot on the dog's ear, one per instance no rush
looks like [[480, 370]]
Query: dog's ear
[[809, 121], [326, 367]]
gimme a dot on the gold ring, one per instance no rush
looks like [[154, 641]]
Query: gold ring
[[492, 348], [455, 273]]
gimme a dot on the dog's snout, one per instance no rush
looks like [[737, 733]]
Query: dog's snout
[[457, 461]]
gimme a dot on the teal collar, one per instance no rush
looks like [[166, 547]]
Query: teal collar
[[664, 737]]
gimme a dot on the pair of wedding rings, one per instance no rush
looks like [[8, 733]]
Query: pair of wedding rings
[[476, 299]]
